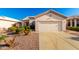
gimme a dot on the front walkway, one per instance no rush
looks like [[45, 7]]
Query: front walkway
[[58, 41]]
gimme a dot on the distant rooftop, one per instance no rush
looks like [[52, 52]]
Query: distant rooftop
[[29, 17], [8, 18], [73, 17]]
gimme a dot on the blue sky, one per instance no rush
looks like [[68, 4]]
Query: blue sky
[[20, 13]]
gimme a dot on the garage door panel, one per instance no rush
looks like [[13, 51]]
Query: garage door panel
[[48, 26]]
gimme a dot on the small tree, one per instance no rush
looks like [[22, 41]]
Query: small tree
[[26, 29]]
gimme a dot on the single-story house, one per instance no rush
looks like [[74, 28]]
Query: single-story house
[[6, 22], [73, 21], [48, 21], [28, 21]]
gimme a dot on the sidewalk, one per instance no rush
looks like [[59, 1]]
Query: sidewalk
[[73, 32]]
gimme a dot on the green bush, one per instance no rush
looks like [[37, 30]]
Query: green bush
[[2, 37], [73, 28], [26, 29], [20, 29], [13, 28]]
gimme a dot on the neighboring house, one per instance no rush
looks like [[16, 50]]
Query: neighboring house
[[17, 24], [6, 22], [28, 21], [24, 22], [73, 21], [31, 22]]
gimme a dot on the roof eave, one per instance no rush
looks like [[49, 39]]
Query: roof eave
[[51, 12]]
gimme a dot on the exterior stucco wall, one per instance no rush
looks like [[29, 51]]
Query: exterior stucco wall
[[48, 18], [5, 24], [36, 26], [31, 20], [64, 25]]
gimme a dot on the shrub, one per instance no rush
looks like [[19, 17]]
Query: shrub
[[21, 29], [73, 28], [2, 37], [26, 29], [13, 28]]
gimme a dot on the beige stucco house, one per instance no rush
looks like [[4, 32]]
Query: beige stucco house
[[6, 22], [49, 21], [73, 21]]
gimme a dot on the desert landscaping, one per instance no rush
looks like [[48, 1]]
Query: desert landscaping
[[21, 42], [47, 31]]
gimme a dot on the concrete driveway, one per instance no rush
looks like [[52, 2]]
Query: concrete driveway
[[58, 41]]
